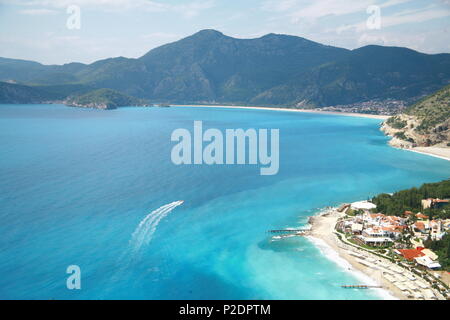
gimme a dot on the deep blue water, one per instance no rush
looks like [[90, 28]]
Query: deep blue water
[[76, 183]]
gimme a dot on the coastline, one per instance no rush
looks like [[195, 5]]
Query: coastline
[[437, 152], [346, 114], [441, 153], [322, 231]]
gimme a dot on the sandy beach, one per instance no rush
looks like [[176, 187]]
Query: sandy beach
[[322, 227], [442, 153], [347, 114]]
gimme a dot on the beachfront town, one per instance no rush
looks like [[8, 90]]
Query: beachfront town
[[395, 246], [387, 107]]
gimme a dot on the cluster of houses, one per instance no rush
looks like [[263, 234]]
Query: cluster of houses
[[379, 230]]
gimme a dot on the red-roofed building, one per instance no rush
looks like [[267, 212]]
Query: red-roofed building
[[420, 226], [376, 215], [421, 216], [411, 254]]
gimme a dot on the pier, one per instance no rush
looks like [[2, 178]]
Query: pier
[[288, 231], [360, 286]]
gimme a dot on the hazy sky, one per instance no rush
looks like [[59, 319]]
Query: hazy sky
[[37, 29]]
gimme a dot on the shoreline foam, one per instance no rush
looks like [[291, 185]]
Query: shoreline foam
[[328, 252]]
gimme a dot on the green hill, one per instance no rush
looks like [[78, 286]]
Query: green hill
[[104, 99], [424, 124], [70, 94], [432, 110], [19, 93], [367, 73]]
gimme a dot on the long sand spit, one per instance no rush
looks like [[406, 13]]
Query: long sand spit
[[349, 114]]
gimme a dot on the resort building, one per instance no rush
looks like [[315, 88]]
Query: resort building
[[420, 255], [422, 227], [374, 232], [393, 232], [356, 228], [436, 230], [434, 203], [430, 254], [426, 203], [446, 224], [425, 228], [362, 205], [410, 254], [375, 237], [375, 241], [427, 262]]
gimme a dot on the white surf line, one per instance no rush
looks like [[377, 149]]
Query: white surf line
[[329, 253]]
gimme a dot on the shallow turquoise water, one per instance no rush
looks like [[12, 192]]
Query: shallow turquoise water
[[76, 183]]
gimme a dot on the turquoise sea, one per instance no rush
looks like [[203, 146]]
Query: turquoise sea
[[97, 189]]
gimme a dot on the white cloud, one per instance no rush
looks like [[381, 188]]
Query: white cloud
[[302, 10], [36, 12], [413, 17], [344, 23], [319, 9], [278, 5], [391, 3], [399, 18], [192, 9], [159, 35], [188, 9]]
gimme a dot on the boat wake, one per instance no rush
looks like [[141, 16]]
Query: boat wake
[[147, 227], [141, 237]]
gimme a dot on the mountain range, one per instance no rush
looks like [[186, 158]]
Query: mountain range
[[211, 68]]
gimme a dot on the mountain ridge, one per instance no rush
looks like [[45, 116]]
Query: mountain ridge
[[209, 67]]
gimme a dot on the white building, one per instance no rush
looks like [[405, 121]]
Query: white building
[[426, 261], [362, 205]]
